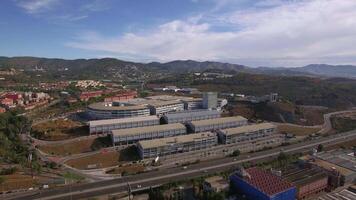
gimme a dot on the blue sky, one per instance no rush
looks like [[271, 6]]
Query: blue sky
[[251, 32]]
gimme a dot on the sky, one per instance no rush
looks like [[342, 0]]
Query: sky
[[274, 33]]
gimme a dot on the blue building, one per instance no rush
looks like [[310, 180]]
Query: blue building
[[258, 184]]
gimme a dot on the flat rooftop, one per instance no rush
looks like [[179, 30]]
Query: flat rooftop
[[147, 129], [247, 128], [300, 177], [191, 113], [218, 121], [163, 103], [122, 120], [342, 158], [110, 107], [175, 140], [328, 165]]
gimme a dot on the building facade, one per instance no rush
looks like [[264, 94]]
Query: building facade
[[309, 182], [163, 107], [215, 124], [178, 144], [104, 110], [132, 135], [210, 100], [246, 133], [107, 125], [190, 115]]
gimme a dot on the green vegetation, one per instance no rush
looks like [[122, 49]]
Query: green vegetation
[[236, 153], [12, 150], [73, 177], [343, 124]]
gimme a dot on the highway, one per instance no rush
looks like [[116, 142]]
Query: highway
[[162, 176]]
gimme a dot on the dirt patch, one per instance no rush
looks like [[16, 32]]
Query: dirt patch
[[59, 129], [346, 145], [17, 181], [127, 169], [297, 130], [76, 147], [105, 159]]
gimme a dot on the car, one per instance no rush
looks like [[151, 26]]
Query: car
[[139, 186], [205, 171], [184, 167]]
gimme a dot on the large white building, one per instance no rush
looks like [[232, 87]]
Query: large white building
[[190, 115], [107, 125], [178, 144], [105, 110], [215, 124], [161, 107], [132, 135], [251, 137]]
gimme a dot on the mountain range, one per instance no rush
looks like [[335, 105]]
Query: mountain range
[[111, 67]]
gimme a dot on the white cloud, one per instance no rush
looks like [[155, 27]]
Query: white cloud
[[292, 33], [35, 6]]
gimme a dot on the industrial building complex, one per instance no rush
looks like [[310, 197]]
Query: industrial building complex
[[190, 115], [131, 135], [153, 105], [178, 144], [106, 126], [215, 124]]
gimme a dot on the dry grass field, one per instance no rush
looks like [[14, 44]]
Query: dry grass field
[[297, 130], [59, 129], [17, 181], [105, 159], [75, 147]]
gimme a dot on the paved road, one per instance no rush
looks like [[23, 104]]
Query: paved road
[[166, 175]]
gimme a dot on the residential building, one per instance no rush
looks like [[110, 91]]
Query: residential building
[[178, 144], [107, 125], [190, 115], [255, 183], [215, 124], [131, 135]]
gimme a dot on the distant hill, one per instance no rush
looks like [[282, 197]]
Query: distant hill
[[180, 66], [111, 68], [346, 71]]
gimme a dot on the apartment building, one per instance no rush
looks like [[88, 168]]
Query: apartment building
[[215, 124]]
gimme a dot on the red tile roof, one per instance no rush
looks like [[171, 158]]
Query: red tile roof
[[266, 182]]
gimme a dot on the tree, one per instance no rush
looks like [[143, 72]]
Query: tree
[[320, 148], [236, 153]]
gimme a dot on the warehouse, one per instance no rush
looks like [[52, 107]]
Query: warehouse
[[309, 181], [105, 110], [131, 135], [107, 125], [255, 183], [161, 107], [191, 115], [215, 124], [246, 133], [178, 144]]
